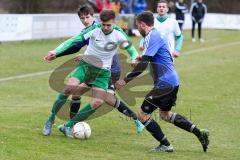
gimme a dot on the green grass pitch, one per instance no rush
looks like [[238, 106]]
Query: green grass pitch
[[210, 89]]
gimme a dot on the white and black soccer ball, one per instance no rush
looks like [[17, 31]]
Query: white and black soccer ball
[[81, 130]]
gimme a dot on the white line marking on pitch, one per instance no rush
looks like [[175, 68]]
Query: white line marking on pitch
[[210, 48], [24, 76], [184, 54]]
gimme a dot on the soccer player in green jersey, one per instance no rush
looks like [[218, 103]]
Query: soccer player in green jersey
[[93, 70]]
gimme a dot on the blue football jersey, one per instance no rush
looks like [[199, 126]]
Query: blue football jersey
[[162, 66]]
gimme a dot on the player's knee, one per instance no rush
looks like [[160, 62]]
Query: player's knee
[[73, 81], [142, 116], [72, 84], [165, 115], [96, 103], [110, 92], [110, 99], [68, 90]]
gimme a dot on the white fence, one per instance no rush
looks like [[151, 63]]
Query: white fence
[[15, 27]]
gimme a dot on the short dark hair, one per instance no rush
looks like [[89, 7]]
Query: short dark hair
[[146, 17], [107, 15], [85, 10], [163, 1]]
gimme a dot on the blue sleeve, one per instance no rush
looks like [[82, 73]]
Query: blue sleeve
[[82, 44], [141, 66]]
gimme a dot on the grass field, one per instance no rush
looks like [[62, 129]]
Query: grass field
[[210, 88]]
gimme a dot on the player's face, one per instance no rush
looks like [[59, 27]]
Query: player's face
[[108, 26], [162, 9], [86, 20], [181, 1], [141, 29], [200, 1]]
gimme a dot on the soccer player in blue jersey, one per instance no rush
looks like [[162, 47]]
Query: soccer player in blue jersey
[[166, 83], [86, 16]]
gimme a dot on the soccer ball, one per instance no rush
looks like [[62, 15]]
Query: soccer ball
[[81, 130]]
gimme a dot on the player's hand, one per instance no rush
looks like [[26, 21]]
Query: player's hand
[[120, 83], [176, 54], [134, 63], [78, 57], [50, 56], [141, 48], [139, 58]]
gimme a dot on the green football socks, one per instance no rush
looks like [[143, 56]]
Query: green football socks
[[82, 115], [60, 101]]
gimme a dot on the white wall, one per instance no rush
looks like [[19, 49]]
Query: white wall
[[14, 27], [216, 21]]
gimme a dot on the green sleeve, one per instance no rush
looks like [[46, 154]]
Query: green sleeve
[[131, 50], [79, 39], [60, 50], [179, 43]]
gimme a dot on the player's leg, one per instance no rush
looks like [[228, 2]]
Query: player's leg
[[76, 100], [144, 115], [81, 89], [169, 100], [180, 25], [59, 102], [98, 79], [76, 92], [113, 101], [98, 96], [200, 32], [74, 106], [183, 123], [119, 105], [76, 77], [193, 31]]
